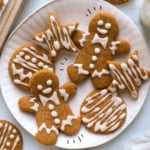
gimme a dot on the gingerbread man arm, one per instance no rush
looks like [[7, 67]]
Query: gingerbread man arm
[[28, 104], [67, 90], [119, 47], [79, 38]]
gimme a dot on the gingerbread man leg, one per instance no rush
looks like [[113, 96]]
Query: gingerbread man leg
[[77, 73], [47, 135], [101, 79], [48, 131], [70, 124]]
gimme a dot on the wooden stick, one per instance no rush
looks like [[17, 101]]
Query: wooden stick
[[7, 19]]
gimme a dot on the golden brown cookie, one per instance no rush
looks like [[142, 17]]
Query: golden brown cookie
[[99, 45], [128, 75], [117, 1], [27, 60], [57, 36], [103, 112], [10, 136], [1, 3], [49, 103]]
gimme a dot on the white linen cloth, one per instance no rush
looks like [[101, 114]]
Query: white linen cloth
[[139, 143]]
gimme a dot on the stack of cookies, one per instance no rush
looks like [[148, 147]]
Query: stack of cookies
[[103, 110]]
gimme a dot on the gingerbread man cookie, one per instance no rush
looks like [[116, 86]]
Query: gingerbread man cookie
[[53, 114], [103, 111], [128, 75], [57, 37], [98, 46], [27, 60]]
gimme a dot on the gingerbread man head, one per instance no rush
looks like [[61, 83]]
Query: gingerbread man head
[[104, 25]]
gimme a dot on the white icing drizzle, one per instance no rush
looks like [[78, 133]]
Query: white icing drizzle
[[64, 94], [80, 69], [130, 76], [98, 40], [54, 98], [99, 74], [16, 142], [48, 130], [37, 54], [26, 63], [1, 125], [68, 121], [35, 106], [113, 47], [21, 74], [97, 112], [6, 133], [83, 39], [54, 34]]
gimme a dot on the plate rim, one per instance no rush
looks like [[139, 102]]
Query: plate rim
[[55, 1]]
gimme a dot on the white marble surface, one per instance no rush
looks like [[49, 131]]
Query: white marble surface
[[139, 126]]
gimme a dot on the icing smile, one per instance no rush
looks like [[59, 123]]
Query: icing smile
[[102, 31]]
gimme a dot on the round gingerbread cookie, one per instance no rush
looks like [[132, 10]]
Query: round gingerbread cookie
[[103, 112], [10, 136], [27, 60], [117, 1]]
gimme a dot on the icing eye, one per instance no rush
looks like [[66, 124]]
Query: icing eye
[[107, 25], [49, 82], [100, 22], [39, 87]]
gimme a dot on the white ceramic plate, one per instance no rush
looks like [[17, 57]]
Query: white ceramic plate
[[69, 11]]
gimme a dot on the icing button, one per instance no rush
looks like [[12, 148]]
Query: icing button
[[91, 66], [97, 50], [54, 114], [51, 107], [57, 121], [94, 58]]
